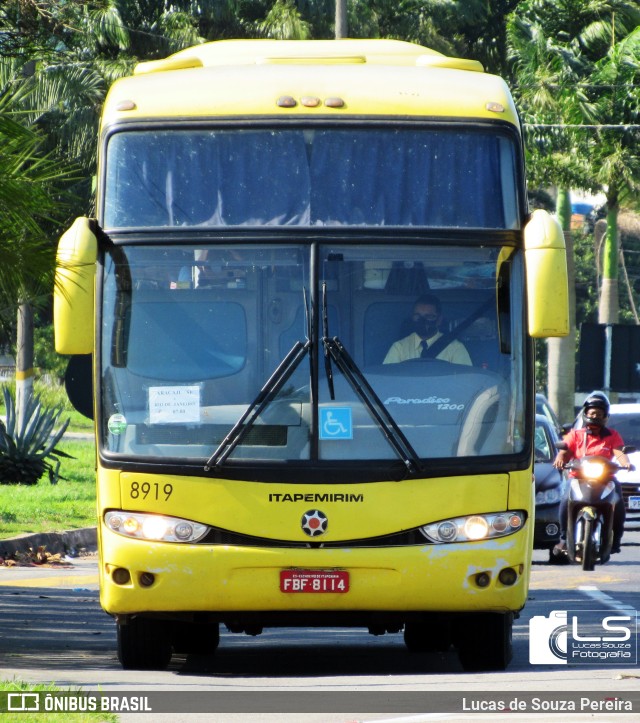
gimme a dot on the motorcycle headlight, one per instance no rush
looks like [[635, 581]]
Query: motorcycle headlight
[[160, 528], [593, 470], [474, 527]]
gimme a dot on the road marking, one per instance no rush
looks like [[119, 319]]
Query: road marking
[[601, 597], [63, 581], [547, 578]]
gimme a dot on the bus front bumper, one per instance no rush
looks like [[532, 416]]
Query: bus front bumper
[[138, 576]]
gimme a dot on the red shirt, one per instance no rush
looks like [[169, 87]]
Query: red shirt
[[603, 442]]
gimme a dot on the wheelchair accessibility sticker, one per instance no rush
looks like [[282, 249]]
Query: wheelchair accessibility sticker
[[335, 423]]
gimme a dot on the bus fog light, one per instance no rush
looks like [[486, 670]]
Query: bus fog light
[[483, 579], [552, 529], [508, 576], [147, 579], [121, 576]]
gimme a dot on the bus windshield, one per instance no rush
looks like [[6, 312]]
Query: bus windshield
[[305, 361], [402, 176]]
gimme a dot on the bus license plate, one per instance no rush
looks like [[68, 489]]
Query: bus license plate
[[314, 581], [634, 503]]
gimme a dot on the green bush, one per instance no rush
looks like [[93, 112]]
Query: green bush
[[46, 359], [28, 446]]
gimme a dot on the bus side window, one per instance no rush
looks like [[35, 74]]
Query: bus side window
[[481, 341]]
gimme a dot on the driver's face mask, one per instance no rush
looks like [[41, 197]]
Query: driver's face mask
[[425, 325]]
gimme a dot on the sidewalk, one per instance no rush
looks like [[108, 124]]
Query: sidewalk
[[70, 542]]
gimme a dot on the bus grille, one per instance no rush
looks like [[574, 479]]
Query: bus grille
[[225, 537]]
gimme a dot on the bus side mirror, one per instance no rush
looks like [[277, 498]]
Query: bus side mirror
[[73, 294], [547, 281]]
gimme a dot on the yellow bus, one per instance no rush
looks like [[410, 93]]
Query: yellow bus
[[280, 226]]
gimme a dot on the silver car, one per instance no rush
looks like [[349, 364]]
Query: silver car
[[625, 419]]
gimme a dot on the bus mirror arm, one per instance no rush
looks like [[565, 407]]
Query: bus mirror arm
[[372, 401], [273, 385]]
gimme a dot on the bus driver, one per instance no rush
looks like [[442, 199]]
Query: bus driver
[[425, 322]]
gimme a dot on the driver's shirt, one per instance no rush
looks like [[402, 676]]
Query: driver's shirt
[[411, 348], [581, 443]]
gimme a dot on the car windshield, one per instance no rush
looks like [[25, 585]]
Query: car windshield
[[544, 451], [628, 426]]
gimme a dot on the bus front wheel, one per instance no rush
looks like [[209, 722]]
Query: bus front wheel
[[144, 644], [485, 642]]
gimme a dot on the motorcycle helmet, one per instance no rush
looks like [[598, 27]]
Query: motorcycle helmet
[[595, 400]]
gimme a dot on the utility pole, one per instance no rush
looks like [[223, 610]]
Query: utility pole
[[341, 19], [24, 360]]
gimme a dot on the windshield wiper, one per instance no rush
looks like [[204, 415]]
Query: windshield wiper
[[273, 385], [372, 401], [325, 335], [334, 349]]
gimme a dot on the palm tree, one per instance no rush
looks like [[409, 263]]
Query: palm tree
[[284, 22], [30, 200], [543, 72], [569, 71], [615, 150]]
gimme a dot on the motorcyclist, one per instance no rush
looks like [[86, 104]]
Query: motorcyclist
[[593, 438]]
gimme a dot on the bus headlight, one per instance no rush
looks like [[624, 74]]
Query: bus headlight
[[474, 527], [161, 528]]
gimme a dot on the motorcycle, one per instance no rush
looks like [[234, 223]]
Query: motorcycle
[[592, 500]]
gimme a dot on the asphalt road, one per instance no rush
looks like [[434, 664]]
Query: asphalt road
[[53, 630]]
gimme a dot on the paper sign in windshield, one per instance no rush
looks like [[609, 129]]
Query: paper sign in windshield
[[174, 405]]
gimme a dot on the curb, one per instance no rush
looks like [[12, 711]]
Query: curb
[[70, 541]]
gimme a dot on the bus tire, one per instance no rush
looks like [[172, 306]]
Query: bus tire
[[195, 638], [485, 642], [428, 637], [144, 644]]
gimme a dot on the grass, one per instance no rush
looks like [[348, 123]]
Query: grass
[[71, 503], [18, 686], [53, 508], [54, 395]]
